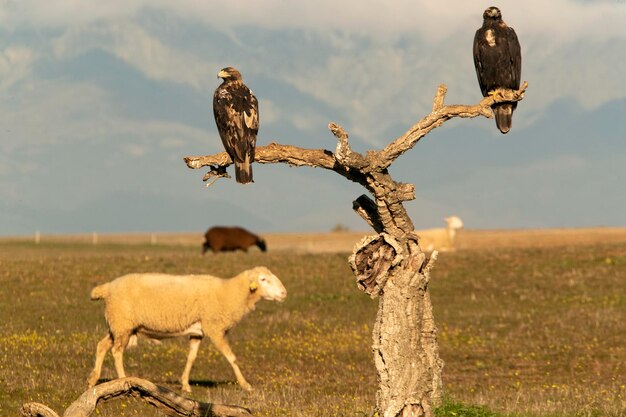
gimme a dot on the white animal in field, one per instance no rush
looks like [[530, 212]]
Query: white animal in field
[[162, 306], [441, 239]]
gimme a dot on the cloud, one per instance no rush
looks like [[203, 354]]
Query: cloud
[[47, 113], [15, 64], [134, 149], [432, 20], [588, 70], [172, 143], [563, 165], [135, 46], [377, 64], [374, 86], [271, 113], [554, 191], [44, 14]]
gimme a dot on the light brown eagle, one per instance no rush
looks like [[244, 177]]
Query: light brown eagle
[[236, 113]]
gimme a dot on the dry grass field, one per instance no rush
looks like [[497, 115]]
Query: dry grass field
[[337, 242], [530, 323]]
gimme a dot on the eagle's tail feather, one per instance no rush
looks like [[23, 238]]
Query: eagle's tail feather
[[503, 113], [243, 172]]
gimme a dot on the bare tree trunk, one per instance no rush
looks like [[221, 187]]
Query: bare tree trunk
[[404, 373], [405, 348], [389, 265]]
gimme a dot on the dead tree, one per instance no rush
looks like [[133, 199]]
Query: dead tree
[[389, 265], [167, 401]]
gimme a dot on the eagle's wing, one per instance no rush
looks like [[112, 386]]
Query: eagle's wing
[[221, 101], [479, 47], [237, 120], [516, 58], [250, 125]]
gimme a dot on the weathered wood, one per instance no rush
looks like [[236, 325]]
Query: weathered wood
[[372, 260], [405, 349], [441, 114], [166, 400], [373, 161], [391, 265], [37, 410], [366, 208]]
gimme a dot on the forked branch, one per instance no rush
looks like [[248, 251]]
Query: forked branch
[[442, 113], [166, 400], [345, 161]]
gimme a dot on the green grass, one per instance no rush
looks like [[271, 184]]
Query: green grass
[[522, 332], [453, 409]]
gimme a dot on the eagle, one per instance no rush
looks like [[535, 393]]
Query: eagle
[[236, 113], [498, 62]]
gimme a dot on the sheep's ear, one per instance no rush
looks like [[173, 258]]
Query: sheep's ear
[[254, 286]]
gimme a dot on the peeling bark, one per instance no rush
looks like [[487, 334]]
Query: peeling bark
[[404, 337], [372, 261]]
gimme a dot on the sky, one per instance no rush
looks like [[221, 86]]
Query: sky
[[100, 102]]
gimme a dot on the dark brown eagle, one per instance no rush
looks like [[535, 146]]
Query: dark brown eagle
[[236, 113], [498, 62]]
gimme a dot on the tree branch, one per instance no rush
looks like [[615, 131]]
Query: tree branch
[[441, 114], [366, 208], [344, 154], [345, 161], [387, 212], [166, 400], [271, 154]]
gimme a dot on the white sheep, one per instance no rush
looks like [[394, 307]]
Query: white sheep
[[162, 306], [440, 238]]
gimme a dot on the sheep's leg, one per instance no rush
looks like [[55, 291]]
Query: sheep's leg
[[220, 342], [119, 343], [194, 344], [103, 347]]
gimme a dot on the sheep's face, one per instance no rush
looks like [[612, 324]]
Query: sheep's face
[[454, 222], [268, 285]]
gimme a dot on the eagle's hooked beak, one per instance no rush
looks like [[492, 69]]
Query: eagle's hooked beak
[[222, 74]]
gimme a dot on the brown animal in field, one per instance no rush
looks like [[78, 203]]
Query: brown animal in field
[[224, 239]]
